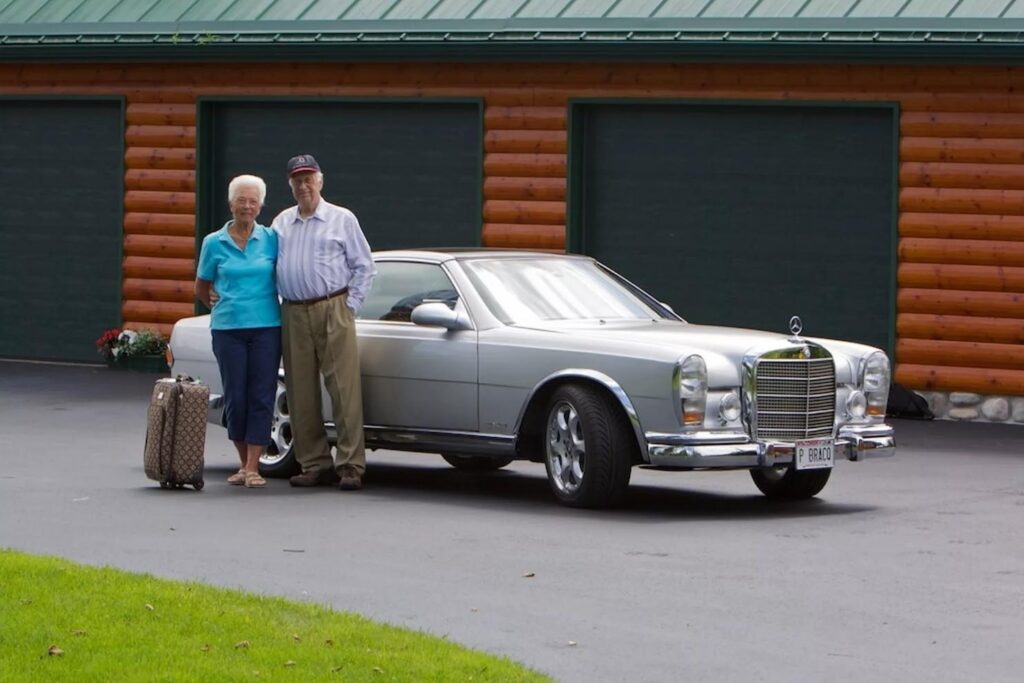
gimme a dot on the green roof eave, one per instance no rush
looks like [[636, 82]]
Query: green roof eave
[[612, 50], [530, 25], [983, 40]]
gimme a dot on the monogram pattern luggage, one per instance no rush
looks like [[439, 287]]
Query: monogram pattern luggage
[[176, 432]]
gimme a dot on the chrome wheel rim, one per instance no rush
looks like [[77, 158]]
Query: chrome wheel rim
[[280, 430], [566, 447]]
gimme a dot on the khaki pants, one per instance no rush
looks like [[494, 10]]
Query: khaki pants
[[320, 339]]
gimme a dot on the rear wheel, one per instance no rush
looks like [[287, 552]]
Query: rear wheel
[[279, 458], [587, 448], [474, 463], [786, 483]]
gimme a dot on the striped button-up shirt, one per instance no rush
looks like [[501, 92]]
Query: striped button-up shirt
[[322, 254]]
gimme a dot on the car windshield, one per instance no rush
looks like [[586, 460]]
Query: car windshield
[[521, 291]]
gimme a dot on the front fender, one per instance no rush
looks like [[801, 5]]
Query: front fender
[[604, 380]]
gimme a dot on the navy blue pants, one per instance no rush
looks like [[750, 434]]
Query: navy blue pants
[[248, 359]]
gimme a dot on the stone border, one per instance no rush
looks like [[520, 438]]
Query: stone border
[[966, 407]]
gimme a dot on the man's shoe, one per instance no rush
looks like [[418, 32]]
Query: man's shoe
[[350, 479], [324, 477]]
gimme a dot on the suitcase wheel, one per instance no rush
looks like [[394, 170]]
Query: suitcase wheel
[[198, 486], [165, 485]]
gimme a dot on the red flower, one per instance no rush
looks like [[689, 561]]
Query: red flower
[[107, 340]]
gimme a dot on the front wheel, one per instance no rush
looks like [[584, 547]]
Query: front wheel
[[279, 459], [474, 463], [587, 448], [786, 483]]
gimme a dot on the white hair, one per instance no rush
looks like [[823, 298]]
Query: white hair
[[238, 182], [316, 174]]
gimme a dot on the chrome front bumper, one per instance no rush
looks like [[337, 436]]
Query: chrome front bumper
[[708, 450]]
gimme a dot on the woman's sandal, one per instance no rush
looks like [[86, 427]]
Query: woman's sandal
[[238, 478], [253, 480]]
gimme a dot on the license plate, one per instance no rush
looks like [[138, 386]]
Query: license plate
[[814, 454]]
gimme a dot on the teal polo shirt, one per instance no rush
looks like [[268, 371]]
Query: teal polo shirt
[[244, 280]]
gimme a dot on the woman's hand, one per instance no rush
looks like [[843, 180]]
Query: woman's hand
[[205, 293]]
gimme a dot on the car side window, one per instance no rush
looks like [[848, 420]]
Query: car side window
[[401, 286]]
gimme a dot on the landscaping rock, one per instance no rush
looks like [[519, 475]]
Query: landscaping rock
[[963, 414], [962, 398], [996, 409], [1018, 410], [938, 403]]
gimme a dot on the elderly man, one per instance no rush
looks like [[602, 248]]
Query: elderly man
[[324, 272]]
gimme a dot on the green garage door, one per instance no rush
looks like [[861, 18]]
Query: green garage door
[[745, 215], [62, 182], [409, 170]]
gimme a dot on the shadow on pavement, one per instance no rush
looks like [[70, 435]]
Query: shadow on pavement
[[519, 493]]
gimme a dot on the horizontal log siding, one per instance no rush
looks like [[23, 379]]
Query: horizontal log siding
[[960, 304], [159, 204], [524, 173], [960, 314]]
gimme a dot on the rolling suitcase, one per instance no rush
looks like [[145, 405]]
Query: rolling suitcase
[[176, 432]]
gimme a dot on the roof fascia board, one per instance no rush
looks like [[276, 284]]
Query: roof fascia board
[[1008, 53]]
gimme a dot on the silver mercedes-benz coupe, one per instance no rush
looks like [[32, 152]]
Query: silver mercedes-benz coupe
[[487, 356]]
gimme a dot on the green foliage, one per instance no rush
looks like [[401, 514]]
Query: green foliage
[[67, 622], [116, 343], [147, 343]]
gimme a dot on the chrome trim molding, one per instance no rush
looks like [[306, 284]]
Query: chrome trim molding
[[800, 351], [678, 452], [610, 384], [849, 431], [697, 438], [423, 440], [437, 441], [869, 441]]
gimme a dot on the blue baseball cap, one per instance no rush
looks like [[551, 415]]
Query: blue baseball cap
[[303, 163]]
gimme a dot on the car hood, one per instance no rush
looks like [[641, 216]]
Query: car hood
[[722, 348], [731, 341]]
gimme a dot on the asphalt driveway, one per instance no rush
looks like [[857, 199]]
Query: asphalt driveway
[[907, 569]]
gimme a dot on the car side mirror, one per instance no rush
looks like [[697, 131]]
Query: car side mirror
[[439, 315]]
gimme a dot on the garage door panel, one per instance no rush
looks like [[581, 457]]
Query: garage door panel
[[746, 215], [410, 171], [61, 170]]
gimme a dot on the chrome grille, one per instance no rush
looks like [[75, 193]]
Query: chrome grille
[[796, 399]]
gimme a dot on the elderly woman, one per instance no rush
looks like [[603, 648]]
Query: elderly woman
[[237, 263]]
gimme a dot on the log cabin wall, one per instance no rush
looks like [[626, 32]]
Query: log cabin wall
[[960, 315]]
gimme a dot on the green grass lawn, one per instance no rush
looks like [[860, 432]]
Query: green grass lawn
[[61, 621]]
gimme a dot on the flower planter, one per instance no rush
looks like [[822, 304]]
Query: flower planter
[[140, 364]]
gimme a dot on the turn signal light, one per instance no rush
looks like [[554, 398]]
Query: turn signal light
[[693, 418]]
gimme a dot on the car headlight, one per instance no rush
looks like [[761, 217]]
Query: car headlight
[[691, 382], [874, 382], [729, 407], [856, 405]]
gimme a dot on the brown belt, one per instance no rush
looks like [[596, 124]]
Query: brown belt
[[316, 300]]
